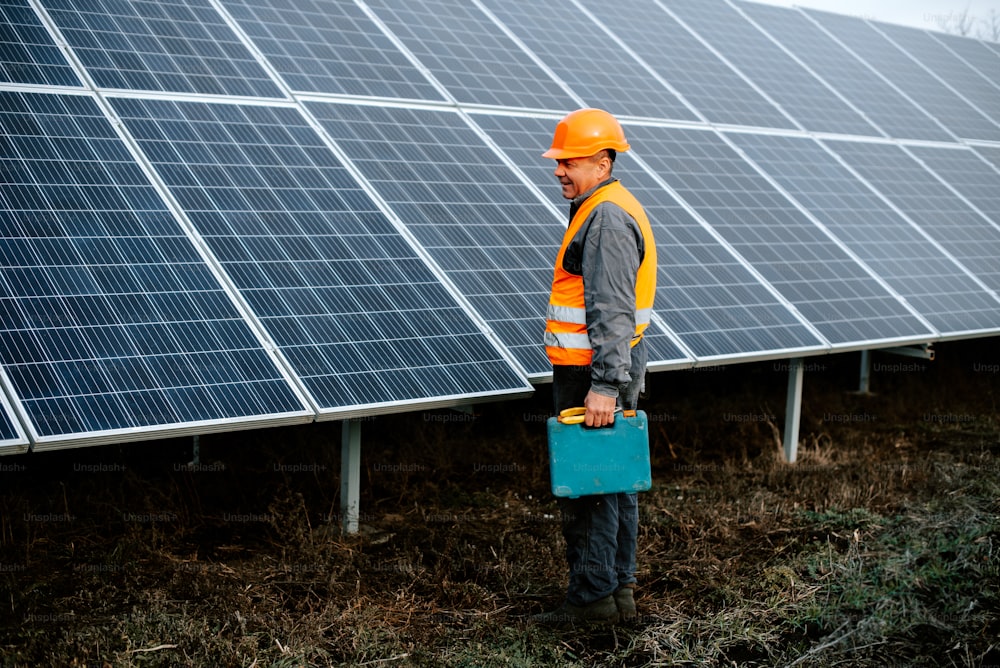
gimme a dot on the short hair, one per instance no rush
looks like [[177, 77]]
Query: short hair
[[610, 152]]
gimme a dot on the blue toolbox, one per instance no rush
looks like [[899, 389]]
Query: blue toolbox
[[603, 460]]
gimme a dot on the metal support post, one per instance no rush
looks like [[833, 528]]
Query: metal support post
[[866, 371], [350, 475], [793, 408]]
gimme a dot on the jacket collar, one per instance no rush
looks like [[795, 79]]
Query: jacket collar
[[574, 206]]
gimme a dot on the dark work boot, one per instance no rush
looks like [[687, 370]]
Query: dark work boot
[[625, 600], [600, 612]]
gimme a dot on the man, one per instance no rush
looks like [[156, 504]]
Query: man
[[602, 294]]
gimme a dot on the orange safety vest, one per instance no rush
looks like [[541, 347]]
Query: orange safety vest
[[566, 339]]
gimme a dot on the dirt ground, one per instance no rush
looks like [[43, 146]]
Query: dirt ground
[[879, 547]]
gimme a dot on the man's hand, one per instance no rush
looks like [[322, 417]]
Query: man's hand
[[600, 410]]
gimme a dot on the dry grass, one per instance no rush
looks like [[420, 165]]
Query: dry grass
[[878, 548]]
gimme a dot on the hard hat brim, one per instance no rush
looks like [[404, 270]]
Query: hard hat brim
[[566, 154], [559, 154]]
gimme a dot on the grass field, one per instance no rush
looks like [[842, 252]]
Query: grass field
[[879, 547]]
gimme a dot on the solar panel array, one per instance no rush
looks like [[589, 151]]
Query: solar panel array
[[910, 260], [221, 214], [358, 317], [112, 319], [904, 72], [887, 109]]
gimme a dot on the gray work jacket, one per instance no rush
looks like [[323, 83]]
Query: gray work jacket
[[607, 252]]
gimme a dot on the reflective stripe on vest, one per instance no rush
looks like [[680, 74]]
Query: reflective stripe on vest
[[566, 339]]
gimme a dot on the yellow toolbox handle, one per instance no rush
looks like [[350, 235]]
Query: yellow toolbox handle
[[575, 415]]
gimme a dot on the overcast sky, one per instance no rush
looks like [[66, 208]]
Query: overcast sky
[[916, 13]]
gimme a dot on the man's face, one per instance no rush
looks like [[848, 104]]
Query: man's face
[[578, 175]]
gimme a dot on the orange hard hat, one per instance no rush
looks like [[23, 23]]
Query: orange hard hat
[[584, 132]]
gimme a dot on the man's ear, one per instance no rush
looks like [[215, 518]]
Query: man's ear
[[604, 164]]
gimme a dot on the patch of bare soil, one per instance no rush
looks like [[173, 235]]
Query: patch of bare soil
[[879, 547]]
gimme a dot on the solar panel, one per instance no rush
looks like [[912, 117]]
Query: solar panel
[[910, 78], [181, 46], [975, 53], [111, 320], [608, 77], [969, 237], [910, 263], [794, 88], [883, 105], [714, 303], [359, 316], [330, 46], [28, 53], [710, 85], [470, 55], [831, 290], [958, 74]]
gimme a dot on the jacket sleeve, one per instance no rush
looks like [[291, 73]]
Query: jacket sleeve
[[612, 252]]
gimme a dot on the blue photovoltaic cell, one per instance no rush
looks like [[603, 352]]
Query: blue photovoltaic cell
[[8, 433], [882, 104], [470, 55], [608, 77], [958, 74], [990, 153], [330, 46], [707, 297], [27, 52], [974, 178], [910, 78], [974, 52], [799, 93], [360, 317], [931, 282], [181, 46], [831, 290], [484, 228], [110, 318], [710, 85], [969, 237]]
